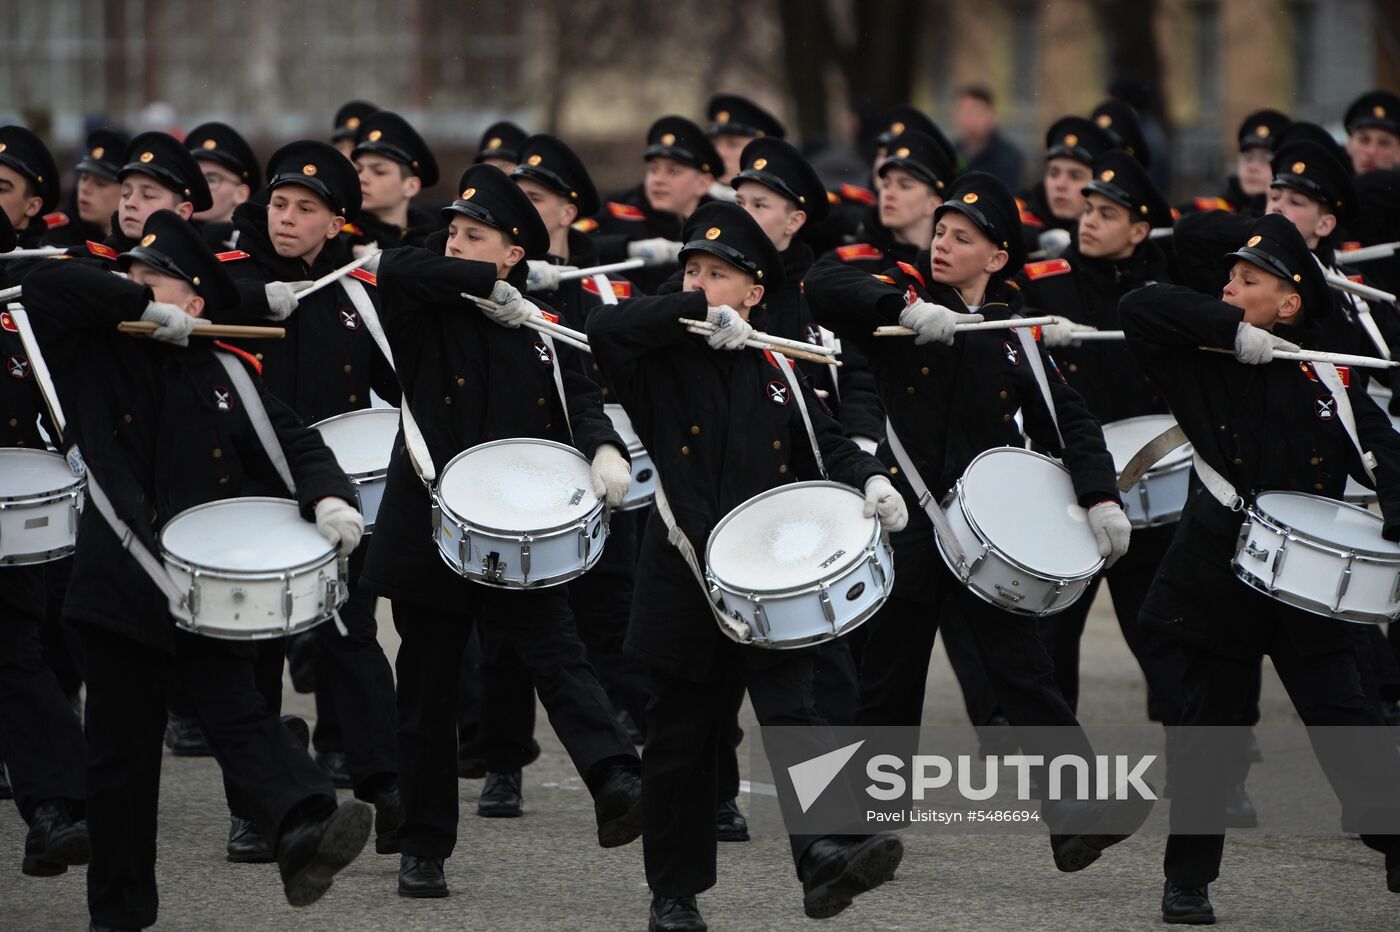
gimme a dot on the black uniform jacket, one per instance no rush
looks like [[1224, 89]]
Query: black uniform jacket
[[367, 228], [950, 403], [627, 216], [1087, 291], [327, 363], [721, 427], [161, 430], [1264, 428], [468, 381], [875, 248]]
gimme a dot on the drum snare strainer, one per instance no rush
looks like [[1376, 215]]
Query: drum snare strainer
[[40, 500]]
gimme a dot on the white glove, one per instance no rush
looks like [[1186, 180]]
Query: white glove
[[657, 251], [1062, 333], [733, 330], [866, 445], [1111, 530], [934, 323], [282, 298], [611, 475], [544, 276], [881, 499], [1255, 347], [513, 310], [173, 325], [339, 523], [1054, 242]]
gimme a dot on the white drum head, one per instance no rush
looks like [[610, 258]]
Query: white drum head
[[244, 535], [789, 537], [518, 486], [362, 441], [1327, 521], [26, 473], [1124, 438], [1025, 505], [623, 425]]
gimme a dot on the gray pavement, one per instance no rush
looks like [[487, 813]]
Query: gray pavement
[[545, 871]]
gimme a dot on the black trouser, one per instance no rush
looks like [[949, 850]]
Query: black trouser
[[506, 709], [1156, 652], [1325, 689], [125, 720], [601, 600], [267, 658], [541, 630], [42, 739], [60, 640]]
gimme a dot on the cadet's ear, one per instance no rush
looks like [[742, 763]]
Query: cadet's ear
[[334, 228], [1290, 306], [411, 186], [241, 193], [195, 306], [185, 209], [997, 262], [1325, 225], [795, 221], [754, 297], [514, 254], [1138, 231], [570, 214]]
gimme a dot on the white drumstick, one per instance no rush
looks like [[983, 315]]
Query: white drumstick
[[1342, 283], [602, 269], [9, 294], [1367, 253], [33, 253], [757, 341], [1338, 359], [1098, 336], [1009, 324], [771, 340], [339, 273], [542, 324]]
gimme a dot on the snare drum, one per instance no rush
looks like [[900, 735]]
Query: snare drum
[[40, 500], [362, 442], [1160, 495], [1027, 541], [800, 564], [252, 569], [1321, 555], [643, 487], [518, 514]]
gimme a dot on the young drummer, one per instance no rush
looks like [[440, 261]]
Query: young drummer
[[394, 164]]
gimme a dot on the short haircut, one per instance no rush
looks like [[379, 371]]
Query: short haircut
[[979, 91]]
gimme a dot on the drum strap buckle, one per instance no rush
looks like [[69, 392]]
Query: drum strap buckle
[[493, 567]]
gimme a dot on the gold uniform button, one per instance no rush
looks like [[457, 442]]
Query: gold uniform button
[[1318, 486], [259, 357], [1003, 394], [894, 470], [1238, 461], [223, 480], [909, 390], [354, 398], [695, 430], [126, 418], [777, 444], [685, 451], [447, 400], [924, 371], [461, 382], [218, 453], [1315, 460], [14, 422], [782, 468], [1005, 418], [541, 402], [595, 368], [1073, 367], [347, 368]]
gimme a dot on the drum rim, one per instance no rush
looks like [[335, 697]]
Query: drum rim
[[584, 520], [768, 493], [545, 582], [369, 475], [1349, 616], [1254, 513], [40, 498], [1157, 467], [189, 566]]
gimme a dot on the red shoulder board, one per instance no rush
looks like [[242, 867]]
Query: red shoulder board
[[1176, 215], [233, 255], [1214, 203], [911, 271], [1349, 246], [625, 211], [369, 278], [7, 322], [884, 278], [101, 251], [832, 197], [1046, 269], [351, 229], [855, 193], [56, 220], [1344, 372], [242, 354], [620, 289], [857, 251], [1035, 334], [586, 225], [1357, 279], [550, 316]]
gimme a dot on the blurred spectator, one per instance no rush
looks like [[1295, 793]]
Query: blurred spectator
[[980, 143]]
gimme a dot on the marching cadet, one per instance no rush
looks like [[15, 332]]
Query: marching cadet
[[232, 172], [42, 739], [28, 184], [645, 221], [1056, 203], [1247, 190], [146, 415], [1257, 426], [471, 377], [347, 124], [1373, 131], [718, 436], [326, 365], [1111, 256], [734, 122], [97, 195], [394, 164], [500, 146], [949, 397]]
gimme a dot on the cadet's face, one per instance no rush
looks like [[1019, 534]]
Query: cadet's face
[[776, 215], [674, 188], [729, 149], [1373, 149], [142, 196], [382, 183], [167, 289], [721, 282], [1307, 214], [1265, 299], [961, 252], [905, 201], [1107, 230], [472, 239], [98, 198], [300, 223], [226, 189], [1255, 171], [18, 206], [556, 211], [1064, 181]]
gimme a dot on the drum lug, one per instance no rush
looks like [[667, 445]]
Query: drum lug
[[1343, 583], [525, 561], [877, 571], [827, 610], [760, 621], [287, 602], [192, 599], [1278, 564], [437, 516], [1395, 589], [1145, 500], [464, 551]]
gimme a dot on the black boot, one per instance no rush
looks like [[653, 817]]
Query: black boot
[[500, 797], [388, 816], [185, 738], [336, 767], [1124, 817], [617, 807], [730, 824], [246, 845], [675, 914], [421, 878], [836, 870], [312, 852], [56, 841], [1182, 906], [1239, 808], [301, 732]]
